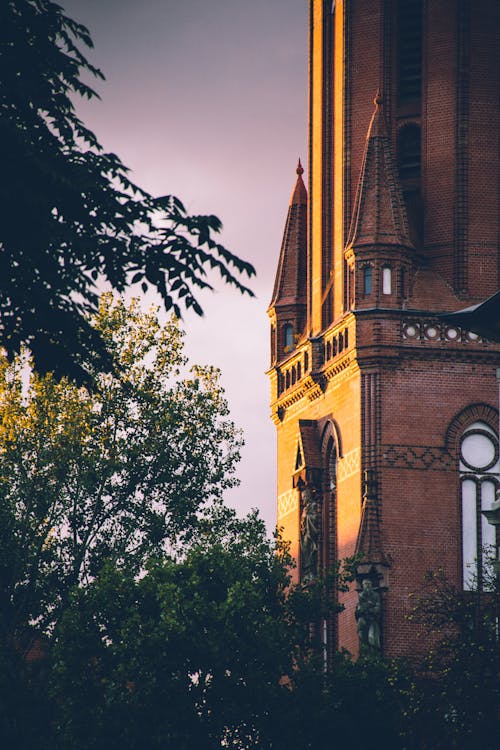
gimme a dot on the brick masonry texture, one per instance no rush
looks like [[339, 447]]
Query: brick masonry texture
[[394, 396]]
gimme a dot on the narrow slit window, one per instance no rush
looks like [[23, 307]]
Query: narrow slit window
[[367, 280], [410, 50]]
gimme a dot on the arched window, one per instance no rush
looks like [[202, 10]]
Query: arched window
[[409, 50], [288, 337], [479, 477], [409, 165], [330, 547], [386, 280], [332, 467]]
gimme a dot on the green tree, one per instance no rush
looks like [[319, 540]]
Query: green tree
[[125, 471], [456, 688], [208, 650], [189, 655], [70, 214]]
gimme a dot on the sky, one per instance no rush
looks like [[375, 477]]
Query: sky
[[207, 100]]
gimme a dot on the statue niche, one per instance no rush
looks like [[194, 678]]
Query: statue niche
[[309, 532]]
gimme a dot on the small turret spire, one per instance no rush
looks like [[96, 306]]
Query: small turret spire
[[290, 287], [379, 215]]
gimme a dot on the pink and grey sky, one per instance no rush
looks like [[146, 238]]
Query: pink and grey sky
[[207, 99]]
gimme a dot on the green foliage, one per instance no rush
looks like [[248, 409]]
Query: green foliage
[[70, 213], [456, 690], [186, 656], [128, 470]]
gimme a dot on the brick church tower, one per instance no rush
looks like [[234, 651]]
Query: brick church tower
[[386, 415]]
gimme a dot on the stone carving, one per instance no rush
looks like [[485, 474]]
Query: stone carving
[[309, 532], [368, 615]]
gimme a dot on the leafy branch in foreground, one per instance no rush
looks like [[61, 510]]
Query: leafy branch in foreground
[[71, 216]]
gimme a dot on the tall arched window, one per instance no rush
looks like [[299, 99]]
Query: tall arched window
[[332, 467], [409, 50], [409, 165], [329, 625], [479, 478]]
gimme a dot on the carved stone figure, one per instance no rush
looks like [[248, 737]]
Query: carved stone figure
[[368, 615], [309, 532]]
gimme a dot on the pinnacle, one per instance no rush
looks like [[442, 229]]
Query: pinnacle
[[377, 125], [299, 195], [379, 215], [289, 286]]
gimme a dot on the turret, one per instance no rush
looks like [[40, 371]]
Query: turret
[[288, 308], [379, 251]]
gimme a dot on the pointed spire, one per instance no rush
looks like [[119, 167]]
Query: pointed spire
[[379, 215], [299, 195], [290, 287]]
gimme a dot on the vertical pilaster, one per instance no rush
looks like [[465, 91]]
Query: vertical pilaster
[[341, 154], [318, 71]]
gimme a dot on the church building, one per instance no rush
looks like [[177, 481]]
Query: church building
[[387, 413]]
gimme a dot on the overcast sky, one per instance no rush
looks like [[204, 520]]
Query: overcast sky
[[207, 99]]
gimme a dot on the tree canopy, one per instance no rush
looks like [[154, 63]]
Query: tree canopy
[[71, 216], [137, 610], [121, 472]]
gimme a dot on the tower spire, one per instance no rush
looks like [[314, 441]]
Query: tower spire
[[290, 286], [379, 215]]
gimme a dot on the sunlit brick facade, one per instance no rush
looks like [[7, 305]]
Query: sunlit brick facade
[[371, 392]]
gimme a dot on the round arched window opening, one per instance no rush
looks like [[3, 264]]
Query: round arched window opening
[[478, 450], [479, 468]]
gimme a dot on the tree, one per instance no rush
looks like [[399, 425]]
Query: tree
[[189, 655], [128, 470], [70, 214], [456, 688], [210, 650]]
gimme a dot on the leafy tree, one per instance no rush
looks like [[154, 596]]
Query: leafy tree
[[189, 655], [209, 650], [128, 470], [456, 688], [70, 214]]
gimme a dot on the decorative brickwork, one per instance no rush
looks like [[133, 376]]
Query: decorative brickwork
[[402, 218], [416, 457], [288, 502]]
